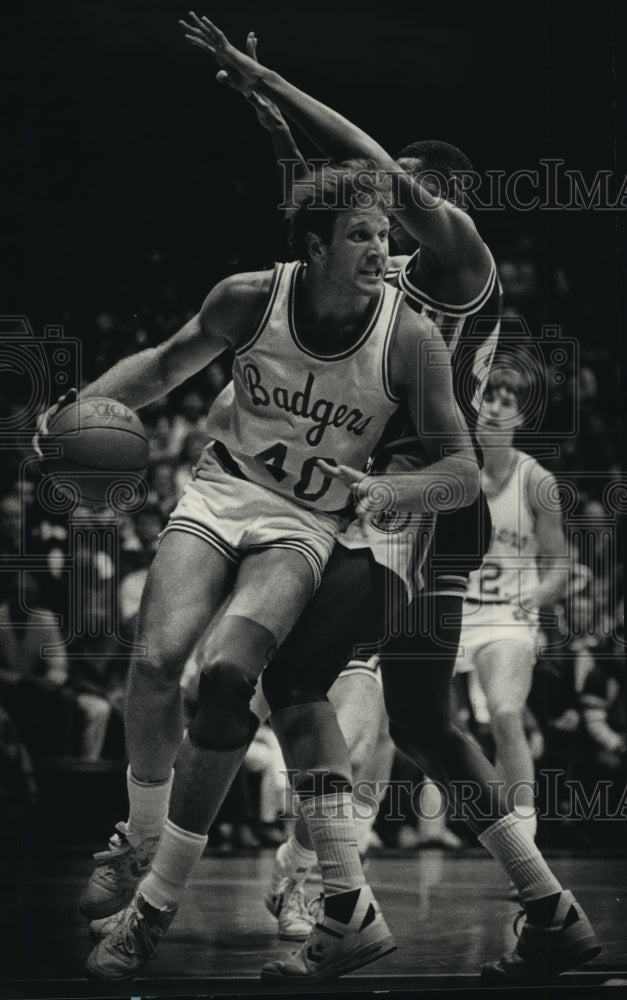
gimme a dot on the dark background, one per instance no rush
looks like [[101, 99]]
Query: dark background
[[130, 175]]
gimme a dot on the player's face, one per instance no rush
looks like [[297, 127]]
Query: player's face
[[357, 255], [499, 415]]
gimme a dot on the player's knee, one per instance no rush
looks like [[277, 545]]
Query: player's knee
[[223, 720], [164, 666]]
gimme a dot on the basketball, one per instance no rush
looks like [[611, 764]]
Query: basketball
[[103, 450]]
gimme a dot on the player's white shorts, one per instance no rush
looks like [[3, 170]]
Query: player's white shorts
[[367, 668], [236, 516], [483, 623]]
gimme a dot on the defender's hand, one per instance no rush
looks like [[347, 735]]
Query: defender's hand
[[44, 419], [238, 69], [365, 490], [268, 115]]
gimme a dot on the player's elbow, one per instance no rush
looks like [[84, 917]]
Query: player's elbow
[[469, 479]]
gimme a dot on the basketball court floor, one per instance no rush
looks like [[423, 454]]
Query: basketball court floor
[[449, 913]]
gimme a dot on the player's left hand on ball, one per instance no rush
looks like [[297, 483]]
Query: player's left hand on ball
[[238, 69], [44, 419]]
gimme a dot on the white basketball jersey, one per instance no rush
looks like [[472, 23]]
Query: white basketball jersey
[[287, 407], [510, 565]]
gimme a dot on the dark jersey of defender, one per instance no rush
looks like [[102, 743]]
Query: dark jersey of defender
[[471, 333]]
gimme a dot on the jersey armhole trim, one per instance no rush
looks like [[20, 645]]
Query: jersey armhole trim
[[386, 365], [272, 294], [428, 302]]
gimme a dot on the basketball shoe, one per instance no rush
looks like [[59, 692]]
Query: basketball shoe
[[117, 872], [99, 929], [286, 900], [132, 944], [295, 915], [351, 933], [565, 940]]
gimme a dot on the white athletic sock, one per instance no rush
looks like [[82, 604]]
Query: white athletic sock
[[294, 859], [176, 857], [527, 816], [509, 842], [363, 830], [330, 824], [149, 802]]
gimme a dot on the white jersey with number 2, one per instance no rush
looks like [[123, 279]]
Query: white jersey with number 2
[[510, 565]]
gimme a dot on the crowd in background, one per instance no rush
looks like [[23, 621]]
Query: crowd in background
[[67, 622]]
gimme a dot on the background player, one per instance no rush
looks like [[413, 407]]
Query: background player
[[418, 700], [526, 568]]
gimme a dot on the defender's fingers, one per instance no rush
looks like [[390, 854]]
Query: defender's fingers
[[217, 36], [251, 45], [200, 44]]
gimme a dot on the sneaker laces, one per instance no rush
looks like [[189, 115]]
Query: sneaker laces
[[295, 900], [118, 843], [135, 937]]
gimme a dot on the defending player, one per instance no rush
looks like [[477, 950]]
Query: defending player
[[451, 277], [526, 568], [324, 355]]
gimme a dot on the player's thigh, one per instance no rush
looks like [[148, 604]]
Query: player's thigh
[[272, 588], [505, 672], [346, 611], [185, 586]]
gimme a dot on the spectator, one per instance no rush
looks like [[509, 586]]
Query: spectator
[[97, 675], [34, 672], [190, 453], [192, 416], [162, 491]]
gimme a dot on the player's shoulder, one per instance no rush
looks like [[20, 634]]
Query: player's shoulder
[[236, 304], [462, 276], [246, 288], [542, 487]]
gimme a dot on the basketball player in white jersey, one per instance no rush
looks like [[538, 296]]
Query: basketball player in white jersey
[[451, 275], [324, 354], [525, 568]]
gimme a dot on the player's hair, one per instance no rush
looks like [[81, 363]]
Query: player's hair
[[436, 155], [509, 373], [444, 162], [345, 186]]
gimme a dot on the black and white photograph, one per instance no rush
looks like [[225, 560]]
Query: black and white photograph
[[312, 497]]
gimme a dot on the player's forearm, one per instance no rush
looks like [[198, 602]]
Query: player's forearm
[[330, 131], [447, 485], [135, 381], [284, 145], [427, 218]]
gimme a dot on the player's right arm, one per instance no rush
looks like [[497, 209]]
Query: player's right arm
[[286, 152], [436, 223], [228, 316]]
